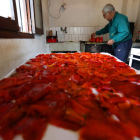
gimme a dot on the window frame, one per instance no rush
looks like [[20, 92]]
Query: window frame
[[11, 34], [13, 31], [38, 30]]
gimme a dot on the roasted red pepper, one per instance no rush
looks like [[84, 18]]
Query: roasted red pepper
[[92, 93]]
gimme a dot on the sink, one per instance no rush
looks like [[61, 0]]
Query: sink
[[64, 46]]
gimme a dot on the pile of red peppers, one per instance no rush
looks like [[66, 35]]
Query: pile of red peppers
[[93, 94]]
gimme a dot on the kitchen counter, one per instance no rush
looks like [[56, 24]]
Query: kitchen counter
[[89, 42], [60, 42], [63, 46]]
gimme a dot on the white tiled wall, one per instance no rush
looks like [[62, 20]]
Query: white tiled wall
[[77, 33]]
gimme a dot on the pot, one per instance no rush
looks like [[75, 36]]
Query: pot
[[52, 39]]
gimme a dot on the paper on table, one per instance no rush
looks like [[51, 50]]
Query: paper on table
[[55, 133]]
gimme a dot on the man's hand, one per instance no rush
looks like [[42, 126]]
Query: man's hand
[[110, 42], [93, 34]]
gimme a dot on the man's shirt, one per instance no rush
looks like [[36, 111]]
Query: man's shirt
[[118, 29]]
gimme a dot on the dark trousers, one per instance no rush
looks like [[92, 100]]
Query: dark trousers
[[122, 50]]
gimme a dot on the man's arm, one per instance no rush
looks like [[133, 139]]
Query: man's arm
[[103, 31]]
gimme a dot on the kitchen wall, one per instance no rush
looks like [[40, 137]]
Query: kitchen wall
[[80, 13], [14, 52], [77, 33], [45, 15], [132, 7], [83, 17]]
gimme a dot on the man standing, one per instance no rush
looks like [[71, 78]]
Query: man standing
[[119, 32]]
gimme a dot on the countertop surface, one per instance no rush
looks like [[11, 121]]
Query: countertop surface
[[89, 42], [86, 42], [62, 42]]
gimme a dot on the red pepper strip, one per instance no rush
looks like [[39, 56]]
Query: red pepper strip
[[114, 100], [12, 117], [41, 110], [35, 60], [105, 104], [35, 93], [7, 82], [107, 129], [120, 64], [28, 62], [18, 92], [104, 87], [134, 102], [124, 105], [23, 68], [120, 78], [72, 116], [5, 94], [5, 108], [8, 122], [76, 78], [124, 87], [31, 128], [7, 133], [133, 79], [102, 75], [106, 81], [81, 110], [65, 124]]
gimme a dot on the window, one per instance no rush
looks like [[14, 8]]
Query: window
[[18, 18], [38, 17], [8, 15], [24, 18], [6, 9]]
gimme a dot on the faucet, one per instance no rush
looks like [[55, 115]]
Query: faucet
[[64, 29]]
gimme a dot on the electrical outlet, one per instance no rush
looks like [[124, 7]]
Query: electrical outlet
[[64, 6]]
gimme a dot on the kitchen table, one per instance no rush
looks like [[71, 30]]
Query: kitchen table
[[96, 94]]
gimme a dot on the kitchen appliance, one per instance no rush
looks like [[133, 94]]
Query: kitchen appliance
[[52, 39], [94, 47]]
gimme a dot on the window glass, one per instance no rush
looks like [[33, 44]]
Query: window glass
[[6, 9], [22, 15], [38, 17]]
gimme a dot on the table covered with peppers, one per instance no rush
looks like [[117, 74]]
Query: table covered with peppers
[[94, 95]]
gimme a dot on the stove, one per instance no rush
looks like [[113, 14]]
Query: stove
[[94, 47]]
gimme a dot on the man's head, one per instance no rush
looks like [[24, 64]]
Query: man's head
[[108, 12]]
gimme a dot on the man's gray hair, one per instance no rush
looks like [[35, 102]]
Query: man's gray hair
[[108, 7]]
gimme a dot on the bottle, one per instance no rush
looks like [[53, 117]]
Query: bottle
[[50, 33], [97, 39], [101, 39]]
